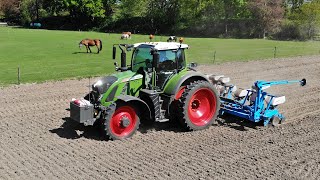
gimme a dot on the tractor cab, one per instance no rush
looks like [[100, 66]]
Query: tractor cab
[[158, 61]]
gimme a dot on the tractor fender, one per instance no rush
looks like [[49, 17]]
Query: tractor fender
[[189, 76], [140, 104]]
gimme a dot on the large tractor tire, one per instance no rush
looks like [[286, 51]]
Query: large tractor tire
[[199, 105], [174, 105], [121, 121]]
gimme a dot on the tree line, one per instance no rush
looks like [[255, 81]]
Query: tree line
[[279, 19]]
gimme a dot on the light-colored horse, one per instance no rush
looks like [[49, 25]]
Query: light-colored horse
[[129, 33], [125, 36]]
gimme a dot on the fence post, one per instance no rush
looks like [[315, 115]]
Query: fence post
[[275, 52], [214, 57], [19, 74]]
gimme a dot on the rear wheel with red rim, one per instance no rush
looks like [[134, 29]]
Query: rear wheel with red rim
[[199, 105]]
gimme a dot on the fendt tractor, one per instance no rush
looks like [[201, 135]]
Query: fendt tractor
[[157, 86]]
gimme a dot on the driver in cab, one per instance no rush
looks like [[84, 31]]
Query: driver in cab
[[166, 60], [163, 56]]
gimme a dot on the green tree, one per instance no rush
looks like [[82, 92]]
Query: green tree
[[268, 14], [1, 10], [29, 10], [89, 13], [198, 15], [9, 10], [53, 7], [235, 10], [162, 15], [190, 13], [132, 8], [295, 4], [309, 18], [85, 8]]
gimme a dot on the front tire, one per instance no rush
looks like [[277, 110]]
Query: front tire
[[121, 121], [199, 106]]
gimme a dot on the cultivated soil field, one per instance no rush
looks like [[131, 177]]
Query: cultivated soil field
[[38, 141]]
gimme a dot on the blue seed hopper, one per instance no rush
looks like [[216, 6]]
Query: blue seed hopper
[[253, 104]]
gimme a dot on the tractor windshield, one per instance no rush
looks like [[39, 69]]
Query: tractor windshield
[[167, 60]]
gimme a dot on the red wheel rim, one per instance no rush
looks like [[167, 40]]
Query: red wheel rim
[[126, 113], [202, 107], [179, 94]]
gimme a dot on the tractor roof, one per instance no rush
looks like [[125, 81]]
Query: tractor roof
[[162, 45]]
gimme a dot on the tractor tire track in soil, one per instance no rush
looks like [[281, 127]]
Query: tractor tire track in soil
[[38, 141]]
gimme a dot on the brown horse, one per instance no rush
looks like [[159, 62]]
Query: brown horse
[[91, 42], [151, 37]]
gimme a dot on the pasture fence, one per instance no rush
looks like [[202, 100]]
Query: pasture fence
[[220, 56], [18, 74], [21, 73]]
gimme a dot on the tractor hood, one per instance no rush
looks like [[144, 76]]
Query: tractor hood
[[103, 84], [110, 87]]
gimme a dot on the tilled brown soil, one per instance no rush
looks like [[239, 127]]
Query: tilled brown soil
[[39, 142]]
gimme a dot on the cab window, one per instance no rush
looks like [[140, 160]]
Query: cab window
[[141, 58]]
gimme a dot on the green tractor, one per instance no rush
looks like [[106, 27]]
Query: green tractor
[[157, 86]]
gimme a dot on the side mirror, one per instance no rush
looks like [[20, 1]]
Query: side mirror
[[193, 65], [114, 51], [156, 58]]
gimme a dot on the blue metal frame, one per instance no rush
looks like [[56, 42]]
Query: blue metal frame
[[256, 110]]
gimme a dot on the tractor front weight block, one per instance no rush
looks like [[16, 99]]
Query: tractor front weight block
[[83, 114]]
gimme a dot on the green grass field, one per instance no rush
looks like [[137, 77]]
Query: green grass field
[[54, 55]]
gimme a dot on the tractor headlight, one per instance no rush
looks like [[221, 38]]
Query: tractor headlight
[[98, 83]]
